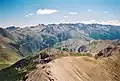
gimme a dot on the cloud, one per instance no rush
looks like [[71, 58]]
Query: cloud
[[89, 10], [73, 13], [112, 22], [89, 22], [109, 22], [45, 11], [65, 16], [105, 11], [28, 15]]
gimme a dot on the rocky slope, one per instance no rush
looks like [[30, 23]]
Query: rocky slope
[[52, 65], [92, 47], [81, 68], [69, 69], [110, 50], [20, 69]]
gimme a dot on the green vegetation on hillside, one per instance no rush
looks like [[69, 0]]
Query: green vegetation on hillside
[[7, 57], [18, 71]]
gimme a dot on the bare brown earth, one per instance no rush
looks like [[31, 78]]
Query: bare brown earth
[[70, 69]]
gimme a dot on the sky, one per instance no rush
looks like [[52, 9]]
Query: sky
[[32, 12]]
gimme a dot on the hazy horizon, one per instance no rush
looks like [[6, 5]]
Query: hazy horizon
[[24, 13]]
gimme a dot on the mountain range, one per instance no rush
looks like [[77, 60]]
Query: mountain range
[[30, 40], [22, 42], [23, 50]]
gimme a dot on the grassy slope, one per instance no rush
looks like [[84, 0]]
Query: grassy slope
[[7, 57], [8, 53], [13, 73]]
